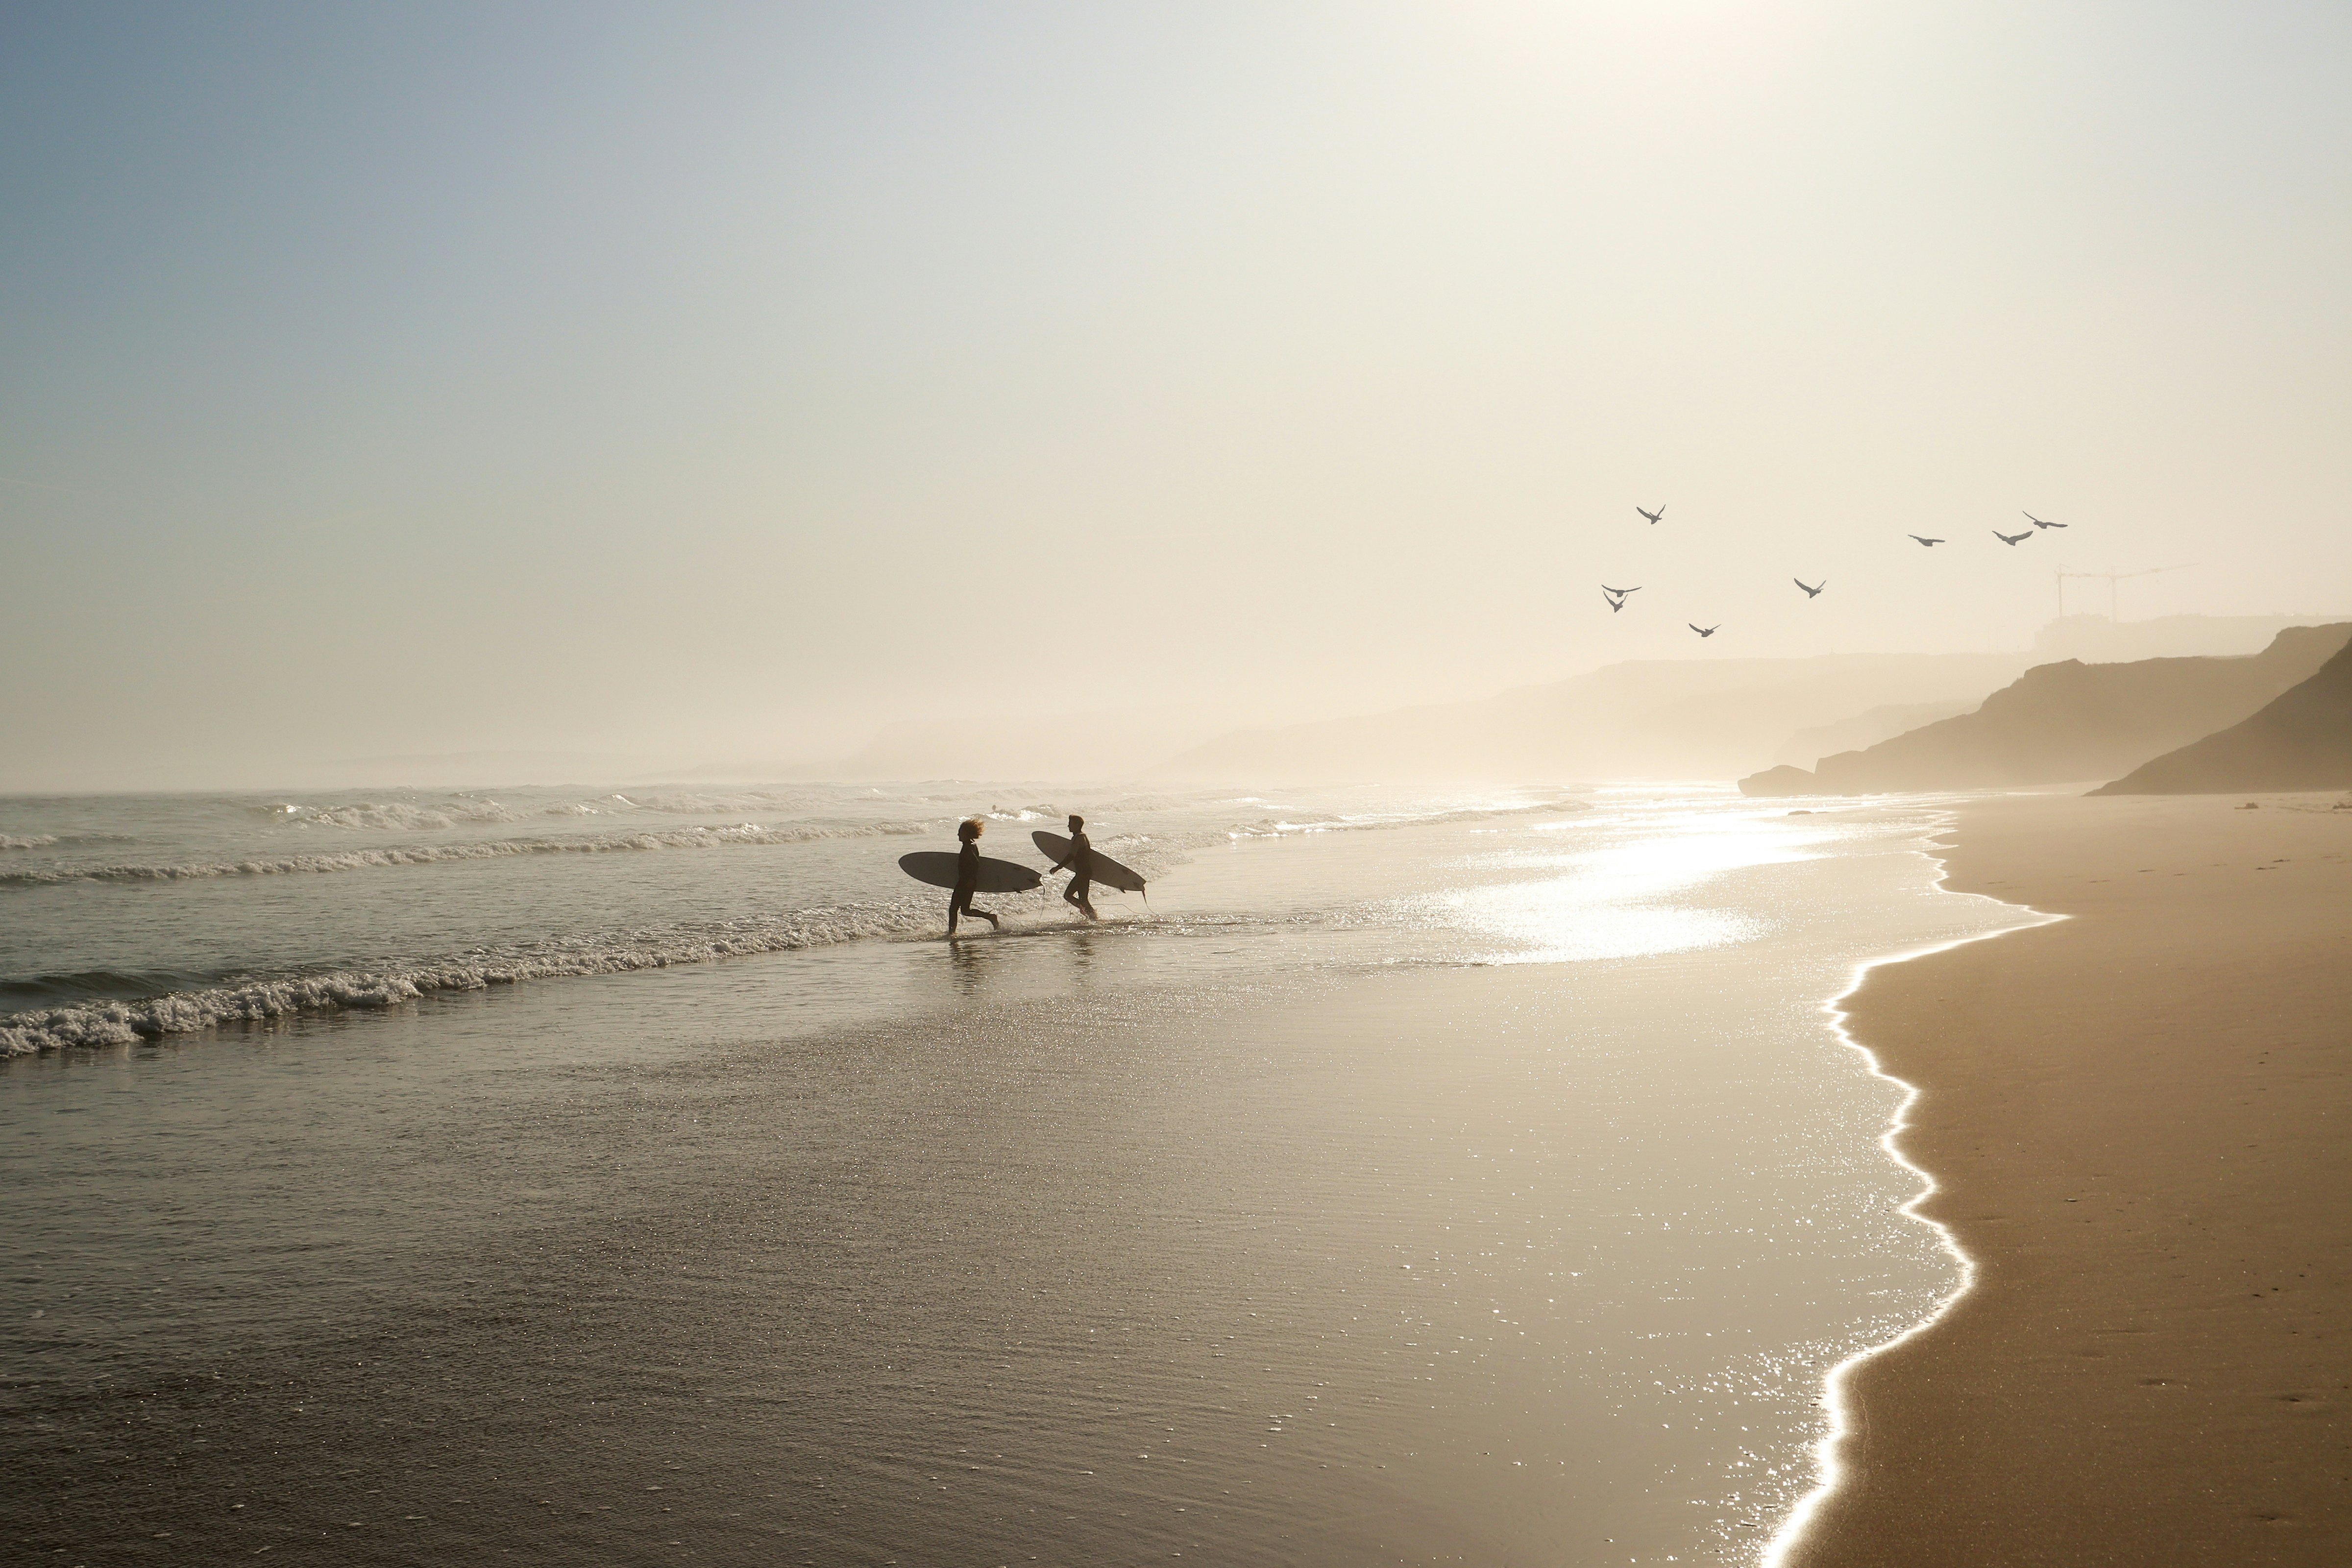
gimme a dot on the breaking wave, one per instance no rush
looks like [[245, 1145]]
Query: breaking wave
[[395, 817], [183, 1012], [107, 1022], [488, 849], [37, 841], [108, 1007]]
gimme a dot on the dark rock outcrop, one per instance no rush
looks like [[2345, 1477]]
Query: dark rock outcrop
[[2302, 741], [2058, 723]]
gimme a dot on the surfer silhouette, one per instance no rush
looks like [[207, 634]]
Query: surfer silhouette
[[1080, 863], [967, 877]]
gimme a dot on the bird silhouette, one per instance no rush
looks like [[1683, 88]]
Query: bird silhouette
[[1612, 603], [2012, 539], [1706, 631], [1810, 592], [2039, 523], [1620, 593], [1653, 516], [1928, 540]]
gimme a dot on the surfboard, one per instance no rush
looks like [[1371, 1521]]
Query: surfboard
[[938, 867], [1101, 867]]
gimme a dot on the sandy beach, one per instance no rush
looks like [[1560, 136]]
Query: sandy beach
[[2136, 1121]]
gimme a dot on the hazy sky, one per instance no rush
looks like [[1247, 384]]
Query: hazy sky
[[707, 383]]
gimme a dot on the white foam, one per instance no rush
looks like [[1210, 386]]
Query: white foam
[[183, 1012], [394, 817], [115, 1024]]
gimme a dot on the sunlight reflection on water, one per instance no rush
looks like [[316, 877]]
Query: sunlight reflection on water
[[1608, 903]]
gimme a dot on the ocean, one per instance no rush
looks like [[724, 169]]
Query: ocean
[[635, 1174]]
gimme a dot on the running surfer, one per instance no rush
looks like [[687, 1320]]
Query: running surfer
[[967, 877], [1080, 863]]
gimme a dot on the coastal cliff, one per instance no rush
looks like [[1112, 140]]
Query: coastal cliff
[[2060, 723], [2302, 741]]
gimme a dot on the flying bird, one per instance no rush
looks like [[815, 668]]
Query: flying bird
[[1706, 631], [1811, 591], [1653, 516], [1612, 603], [1620, 593], [1928, 540], [2039, 523], [2011, 537]]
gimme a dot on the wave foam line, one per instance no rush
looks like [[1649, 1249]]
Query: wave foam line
[[1829, 1468], [111, 1024], [490, 850], [127, 1023], [37, 841]]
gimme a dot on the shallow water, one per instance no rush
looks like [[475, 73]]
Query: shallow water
[[1490, 1188]]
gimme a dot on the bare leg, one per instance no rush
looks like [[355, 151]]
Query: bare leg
[[978, 913], [955, 906], [1076, 895]]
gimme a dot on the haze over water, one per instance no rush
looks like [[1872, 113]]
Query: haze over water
[[1447, 1180]]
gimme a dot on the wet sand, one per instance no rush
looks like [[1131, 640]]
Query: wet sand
[[2140, 1122]]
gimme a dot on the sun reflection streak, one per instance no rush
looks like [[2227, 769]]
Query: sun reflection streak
[[1610, 901]]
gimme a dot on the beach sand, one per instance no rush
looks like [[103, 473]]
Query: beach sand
[[2140, 1122]]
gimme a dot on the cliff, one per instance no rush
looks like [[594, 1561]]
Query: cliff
[[2302, 741], [2059, 723]]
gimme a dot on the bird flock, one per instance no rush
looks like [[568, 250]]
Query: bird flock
[[1615, 597]]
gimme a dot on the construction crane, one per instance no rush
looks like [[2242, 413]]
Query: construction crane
[[2111, 579]]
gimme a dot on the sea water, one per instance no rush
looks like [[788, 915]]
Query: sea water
[[634, 1175]]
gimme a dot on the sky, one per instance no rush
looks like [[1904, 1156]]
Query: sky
[[690, 385]]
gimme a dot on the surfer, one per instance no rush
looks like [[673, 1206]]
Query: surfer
[[1080, 863], [967, 877]]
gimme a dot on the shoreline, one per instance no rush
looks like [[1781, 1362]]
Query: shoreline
[[1825, 1452], [2098, 1390], [1234, 1240]]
